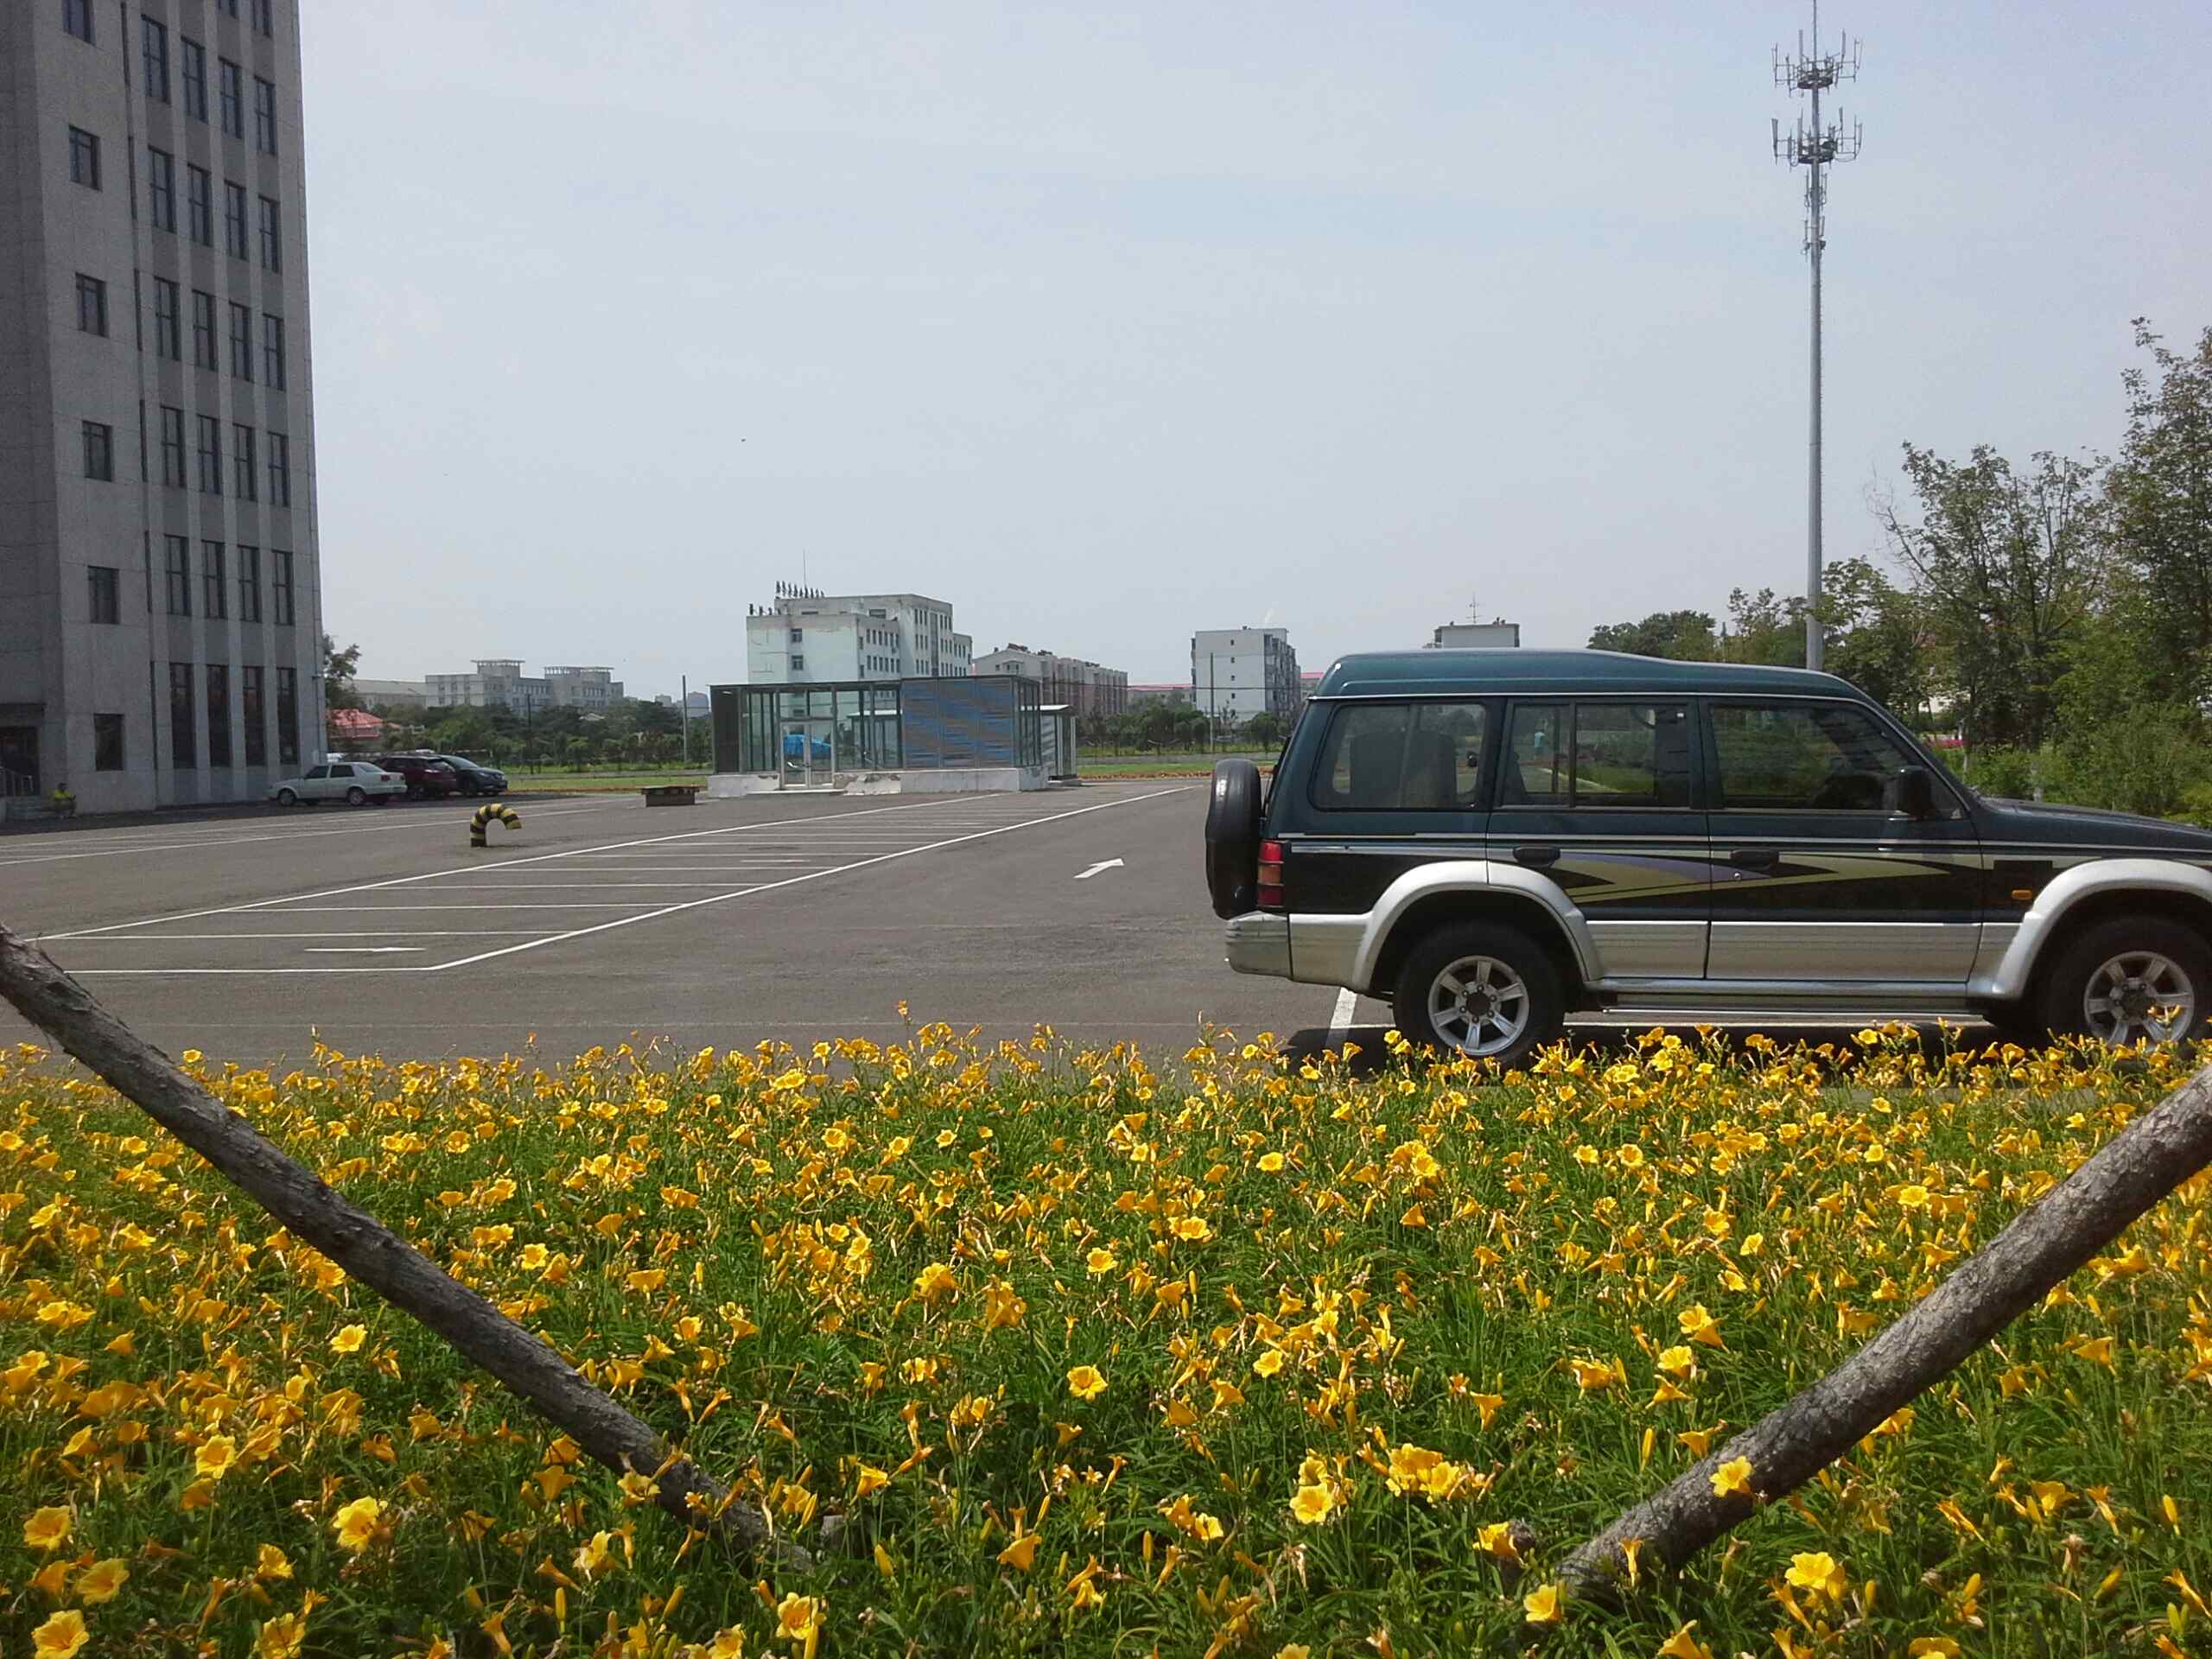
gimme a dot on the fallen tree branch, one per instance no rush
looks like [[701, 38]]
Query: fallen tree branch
[[371, 1252], [2042, 1247]]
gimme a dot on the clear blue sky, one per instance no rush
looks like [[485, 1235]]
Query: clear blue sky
[[1105, 323]]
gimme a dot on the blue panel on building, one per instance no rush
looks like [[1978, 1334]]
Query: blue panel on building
[[961, 723]]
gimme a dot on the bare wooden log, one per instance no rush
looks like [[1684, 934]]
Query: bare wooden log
[[2042, 1247], [371, 1252]]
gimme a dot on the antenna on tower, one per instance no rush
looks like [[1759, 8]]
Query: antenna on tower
[[1816, 146]]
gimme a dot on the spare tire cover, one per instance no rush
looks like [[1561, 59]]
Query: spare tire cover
[[1233, 838]]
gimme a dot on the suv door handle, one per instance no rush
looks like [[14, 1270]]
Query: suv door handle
[[1537, 857], [1755, 858]]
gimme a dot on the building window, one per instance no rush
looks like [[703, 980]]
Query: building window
[[194, 68], [245, 477], [256, 733], [154, 42], [272, 352], [241, 342], [229, 8], [249, 583], [265, 116], [218, 715], [107, 592], [264, 16], [280, 470], [77, 19], [272, 242], [199, 205], [107, 742], [212, 580], [166, 341], [279, 586], [230, 84], [183, 747], [203, 330], [172, 446], [288, 717], [797, 661], [84, 158], [99, 451], [211, 455], [234, 219], [160, 188], [177, 569], [797, 634], [92, 305]]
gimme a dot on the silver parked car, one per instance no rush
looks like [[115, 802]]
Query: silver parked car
[[354, 782]]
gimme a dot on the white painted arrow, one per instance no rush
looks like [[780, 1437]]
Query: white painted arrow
[[1109, 864], [363, 950]]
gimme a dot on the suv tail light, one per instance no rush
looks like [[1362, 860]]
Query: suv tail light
[[1271, 875]]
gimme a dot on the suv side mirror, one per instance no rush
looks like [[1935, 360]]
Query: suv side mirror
[[1912, 792]]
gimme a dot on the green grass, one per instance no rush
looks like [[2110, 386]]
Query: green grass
[[550, 781], [743, 1247], [1162, 766]]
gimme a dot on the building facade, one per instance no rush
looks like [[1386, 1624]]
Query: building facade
[[1474, 636], [1080, 684], [809, 638], [499, 683], [1236, 673], [161, 588]]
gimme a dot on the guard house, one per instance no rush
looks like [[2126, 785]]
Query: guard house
[[871, 737]]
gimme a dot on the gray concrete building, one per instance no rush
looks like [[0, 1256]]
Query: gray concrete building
[[810, 637], [1084, 686], [499, 683], [1474, 636], [1236, 673], [161, 611]]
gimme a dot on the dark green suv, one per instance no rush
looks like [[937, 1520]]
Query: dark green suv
[[1494, 839]]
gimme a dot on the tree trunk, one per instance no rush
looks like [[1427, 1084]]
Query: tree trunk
[[2042, 1247], [367, 1250]]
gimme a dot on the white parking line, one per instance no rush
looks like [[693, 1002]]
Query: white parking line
[[460, 869], [295, 906], [413, 820]]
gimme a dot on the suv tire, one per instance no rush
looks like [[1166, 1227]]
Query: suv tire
[[1233, 838], [2106, 982], [1485, 991]]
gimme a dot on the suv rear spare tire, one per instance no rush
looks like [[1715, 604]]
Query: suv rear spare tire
[[2116, 979], [1489, 992], [1233, 838]]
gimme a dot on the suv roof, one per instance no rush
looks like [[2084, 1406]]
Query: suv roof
[[1503, 668]]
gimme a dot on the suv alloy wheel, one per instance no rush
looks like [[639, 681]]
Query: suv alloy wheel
[[2121, 980], [1488, 992]]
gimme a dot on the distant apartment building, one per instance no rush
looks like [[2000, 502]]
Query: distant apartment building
[[1174, 695], [810, 637], [1474, 636], [1080, 684], [392, 694], [1236, 673], [499, 683], [161, 585]]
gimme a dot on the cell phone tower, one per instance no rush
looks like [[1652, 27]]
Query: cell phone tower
[[1816, 145]]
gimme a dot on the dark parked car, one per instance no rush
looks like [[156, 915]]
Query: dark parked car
[[1492, 839], [474, 779], [426, 779]]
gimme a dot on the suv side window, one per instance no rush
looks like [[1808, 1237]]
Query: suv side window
[[1403, 757], [1597, 754], [1806, 757]]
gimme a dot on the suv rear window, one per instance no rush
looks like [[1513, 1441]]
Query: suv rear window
[[1597, 754], [1403, 757]]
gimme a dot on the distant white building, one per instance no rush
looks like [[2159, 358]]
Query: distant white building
[[392, 694], [1083, 685], [1472, 636], [499, 683], [807, 638], [1236, 673]]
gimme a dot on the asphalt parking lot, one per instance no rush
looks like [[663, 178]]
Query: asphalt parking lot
[[801, 918], [601, 921]]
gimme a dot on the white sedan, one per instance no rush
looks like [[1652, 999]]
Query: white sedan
[[352, 781]]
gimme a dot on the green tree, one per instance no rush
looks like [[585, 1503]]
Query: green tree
[[338, 675], [2161, 498], [1686, 636], [1874, 636], [1763, 628], [2007, 565]]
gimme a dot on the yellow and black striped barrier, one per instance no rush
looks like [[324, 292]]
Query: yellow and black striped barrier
[[485, 816]]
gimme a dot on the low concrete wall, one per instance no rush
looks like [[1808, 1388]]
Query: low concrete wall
[[947, 780]]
